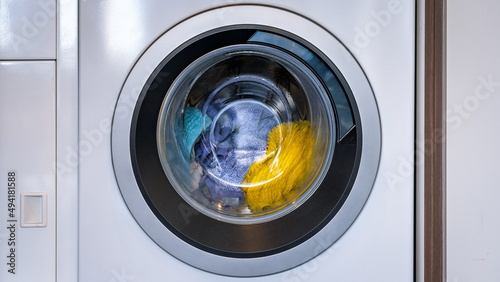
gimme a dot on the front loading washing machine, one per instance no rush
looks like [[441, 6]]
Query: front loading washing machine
[[264, 140]]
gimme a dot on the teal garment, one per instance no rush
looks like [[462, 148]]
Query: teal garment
[[194, 124]]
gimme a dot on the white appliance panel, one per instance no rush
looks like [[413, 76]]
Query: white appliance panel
[[379, 34]]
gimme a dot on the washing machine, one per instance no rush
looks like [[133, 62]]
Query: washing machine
[[259, 140]]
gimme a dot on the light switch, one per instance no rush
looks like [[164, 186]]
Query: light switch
[[33, 209]]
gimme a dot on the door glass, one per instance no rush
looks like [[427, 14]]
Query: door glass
[[245, 132]]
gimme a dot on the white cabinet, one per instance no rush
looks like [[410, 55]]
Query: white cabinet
[[27, 171], [473, 133], [27, 29]]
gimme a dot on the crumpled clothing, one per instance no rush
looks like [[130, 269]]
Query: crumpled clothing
[[238, 139], [194, 124], [276, 179]]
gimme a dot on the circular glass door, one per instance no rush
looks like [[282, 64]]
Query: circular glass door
[[245, 132]]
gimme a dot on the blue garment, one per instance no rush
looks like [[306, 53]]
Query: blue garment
[[194, 124], [238, 137]]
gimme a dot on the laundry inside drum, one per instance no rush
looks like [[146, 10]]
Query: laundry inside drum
[[245, 133]]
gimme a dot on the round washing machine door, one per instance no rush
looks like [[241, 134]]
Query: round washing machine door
[[256, 137]]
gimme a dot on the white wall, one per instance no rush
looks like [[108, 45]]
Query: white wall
[[473, 144]]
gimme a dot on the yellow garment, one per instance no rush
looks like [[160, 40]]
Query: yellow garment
[[273, 180]]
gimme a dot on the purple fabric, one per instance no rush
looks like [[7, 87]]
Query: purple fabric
[[239, 138]]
